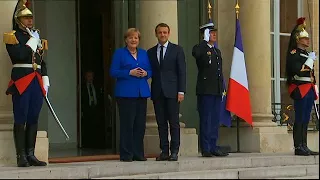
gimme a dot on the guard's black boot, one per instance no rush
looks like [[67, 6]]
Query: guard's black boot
[[304, 140], [31, 136], [19, 141], [297, 139]]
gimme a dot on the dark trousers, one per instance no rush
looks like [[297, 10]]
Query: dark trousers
[[167, 109], [27, 106], [91, 128], [208, 109], [132, 112], [303, 107]]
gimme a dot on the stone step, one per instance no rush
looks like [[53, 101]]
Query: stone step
[[95, 169], [241, 173], [302, 177]]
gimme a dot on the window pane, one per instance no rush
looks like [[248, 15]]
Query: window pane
[[271, 15], [272, 92], [284, 42], [288, 15], [272, 56]]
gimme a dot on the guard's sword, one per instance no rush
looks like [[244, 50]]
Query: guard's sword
[[56, 118], [316, 109]]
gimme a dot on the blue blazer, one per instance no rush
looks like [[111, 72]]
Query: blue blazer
[[127, 85]]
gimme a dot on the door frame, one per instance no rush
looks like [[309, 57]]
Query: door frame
[[125, 13], [79, 73], [106, 54]]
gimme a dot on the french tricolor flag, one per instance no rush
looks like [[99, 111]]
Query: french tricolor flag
[[238, 96]]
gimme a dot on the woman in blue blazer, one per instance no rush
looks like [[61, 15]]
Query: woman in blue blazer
[[130, 66]]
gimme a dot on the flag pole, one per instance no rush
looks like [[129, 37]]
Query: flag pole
[[238, 133], [209, 10]]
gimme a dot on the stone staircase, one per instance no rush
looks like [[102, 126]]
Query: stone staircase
[[235, 166]]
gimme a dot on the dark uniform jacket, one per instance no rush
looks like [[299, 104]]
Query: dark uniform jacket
[[20, 53], [209, 63], [298, 88]]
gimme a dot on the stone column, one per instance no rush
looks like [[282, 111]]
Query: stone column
[[7, 149], [257, 46], [7, 154], [312, 7], [265, 136], [152, 13]]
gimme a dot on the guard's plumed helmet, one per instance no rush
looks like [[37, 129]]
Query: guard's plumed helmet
[[21, 10], [298, 32], [301, 29]]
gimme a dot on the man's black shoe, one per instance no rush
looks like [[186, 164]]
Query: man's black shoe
[[219, 153], [313, 153], [300, 151], [163, 157], [173, 157]]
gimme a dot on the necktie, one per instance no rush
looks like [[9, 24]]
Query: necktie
[[91, 94], [161, 55]]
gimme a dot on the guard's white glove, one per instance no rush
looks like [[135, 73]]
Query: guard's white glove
[[35, 38], [33, 43], [46, 88], [206, 35], [312, 55], [46, 84], [36, 35], [310, 61]]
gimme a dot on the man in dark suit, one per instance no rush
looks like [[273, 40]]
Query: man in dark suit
[[209, 90], [167, 89], [92, 113]]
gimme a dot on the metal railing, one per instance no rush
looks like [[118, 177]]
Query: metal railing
[[283, 115]]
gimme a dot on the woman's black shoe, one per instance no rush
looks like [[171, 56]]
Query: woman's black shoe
[[206, 154], [126, 160], [139, 159]]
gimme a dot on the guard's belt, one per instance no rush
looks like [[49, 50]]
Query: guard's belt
[[308, 79], [303, 55], [25, 66]]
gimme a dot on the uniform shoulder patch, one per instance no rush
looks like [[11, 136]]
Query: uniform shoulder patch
[[10, 38], [44, 44], [293, 51]]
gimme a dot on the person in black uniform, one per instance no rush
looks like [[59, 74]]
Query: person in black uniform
[[92, 119], [301, 84], [209, 90], [29, 83]]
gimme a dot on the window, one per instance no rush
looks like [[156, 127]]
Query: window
[[283, 14]]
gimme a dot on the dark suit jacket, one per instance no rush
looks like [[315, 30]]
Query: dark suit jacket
[[209, 80], [170, 77], [85, 97]]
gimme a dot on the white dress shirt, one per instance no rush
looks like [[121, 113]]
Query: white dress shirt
[[165, 46], [93, 93]]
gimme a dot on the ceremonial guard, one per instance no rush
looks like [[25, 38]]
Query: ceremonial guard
[[29, 82], [209, 89], [301, 83]]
